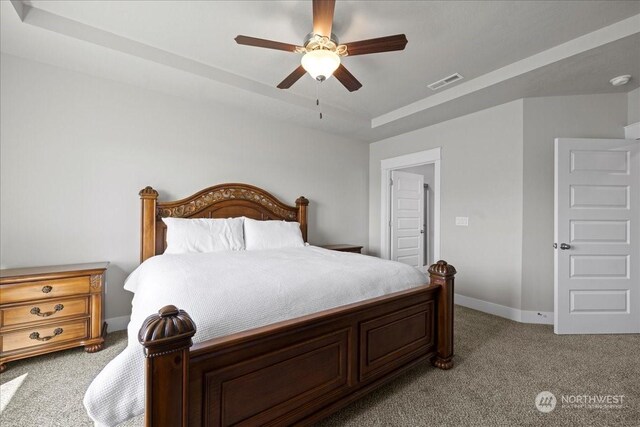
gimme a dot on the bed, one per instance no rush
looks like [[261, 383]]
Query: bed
[[309, 345]]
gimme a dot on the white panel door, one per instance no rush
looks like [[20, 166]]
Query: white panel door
[[407, 218], [597, 235]]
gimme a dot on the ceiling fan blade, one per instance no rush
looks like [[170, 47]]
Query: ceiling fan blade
[[323, 16], [269, 44], [382, 44], [292, 78], [346, 78]]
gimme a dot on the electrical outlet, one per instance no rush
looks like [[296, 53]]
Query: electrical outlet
[[462, 221]]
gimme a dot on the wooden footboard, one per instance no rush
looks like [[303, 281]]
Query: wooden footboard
[[297, 371]]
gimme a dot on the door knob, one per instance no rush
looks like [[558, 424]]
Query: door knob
[[564, 246]]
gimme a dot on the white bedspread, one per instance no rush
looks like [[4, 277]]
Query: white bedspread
[[234, 291]]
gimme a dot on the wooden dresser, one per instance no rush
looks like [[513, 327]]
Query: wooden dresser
[[45, 309], [344, 248]]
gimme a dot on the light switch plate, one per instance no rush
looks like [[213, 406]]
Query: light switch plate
[[462, 221]]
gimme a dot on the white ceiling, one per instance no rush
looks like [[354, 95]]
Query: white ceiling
[[187, 48]]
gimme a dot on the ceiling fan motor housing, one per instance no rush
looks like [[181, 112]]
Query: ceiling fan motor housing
[[313, 38]]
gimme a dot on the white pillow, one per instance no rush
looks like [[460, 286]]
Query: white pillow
[[203, 235], [272, 234]]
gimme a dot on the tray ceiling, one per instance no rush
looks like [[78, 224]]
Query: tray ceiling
[[189, 50]]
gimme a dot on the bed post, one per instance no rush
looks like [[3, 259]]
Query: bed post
[[166, 338], [301, 204], [149, 197], [442, 274]]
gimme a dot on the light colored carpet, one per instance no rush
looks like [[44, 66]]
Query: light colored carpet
[[500, 367]]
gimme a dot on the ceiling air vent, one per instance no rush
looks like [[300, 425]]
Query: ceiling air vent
[[446, 81]]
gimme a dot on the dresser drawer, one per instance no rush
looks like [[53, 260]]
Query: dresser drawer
[[46, 334], [44, 289], [44, 310]]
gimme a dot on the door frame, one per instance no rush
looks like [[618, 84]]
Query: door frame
[[432, 156]]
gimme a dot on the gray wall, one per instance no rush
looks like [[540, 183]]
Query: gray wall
[[633, 106], [586, 116], [75, 150], [481, 177], [428, 173]]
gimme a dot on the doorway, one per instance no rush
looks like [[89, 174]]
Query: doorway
[[412, 215], [421, 236]]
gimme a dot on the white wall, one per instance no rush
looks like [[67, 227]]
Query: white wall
[[481, 177], [585, 116], [75, 150], [633, 106]]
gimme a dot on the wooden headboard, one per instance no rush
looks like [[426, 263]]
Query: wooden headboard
[[219, 201]]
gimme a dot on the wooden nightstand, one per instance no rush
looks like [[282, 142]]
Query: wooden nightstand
[[45, 309], [344, 248]]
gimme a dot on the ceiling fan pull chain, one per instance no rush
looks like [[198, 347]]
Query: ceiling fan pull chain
[[318, 98]]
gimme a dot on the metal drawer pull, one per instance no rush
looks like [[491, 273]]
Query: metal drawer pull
[[56, 308], [36, 335], [46, 289]]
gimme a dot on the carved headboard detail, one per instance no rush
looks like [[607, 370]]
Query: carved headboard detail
[[219, 201]]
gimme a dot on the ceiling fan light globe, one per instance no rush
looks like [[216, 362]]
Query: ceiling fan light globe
[[320, 64]]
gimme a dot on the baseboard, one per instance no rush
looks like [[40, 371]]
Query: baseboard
[[488, 307], [540, 317], [522, 316], [117, 323]]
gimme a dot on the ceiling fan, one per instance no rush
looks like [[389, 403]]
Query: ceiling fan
[[322, 52]]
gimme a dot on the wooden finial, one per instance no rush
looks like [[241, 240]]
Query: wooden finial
[[169, 330], [148, 193], [441, 268]]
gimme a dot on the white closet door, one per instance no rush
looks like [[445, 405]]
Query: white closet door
[[407, 217]]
